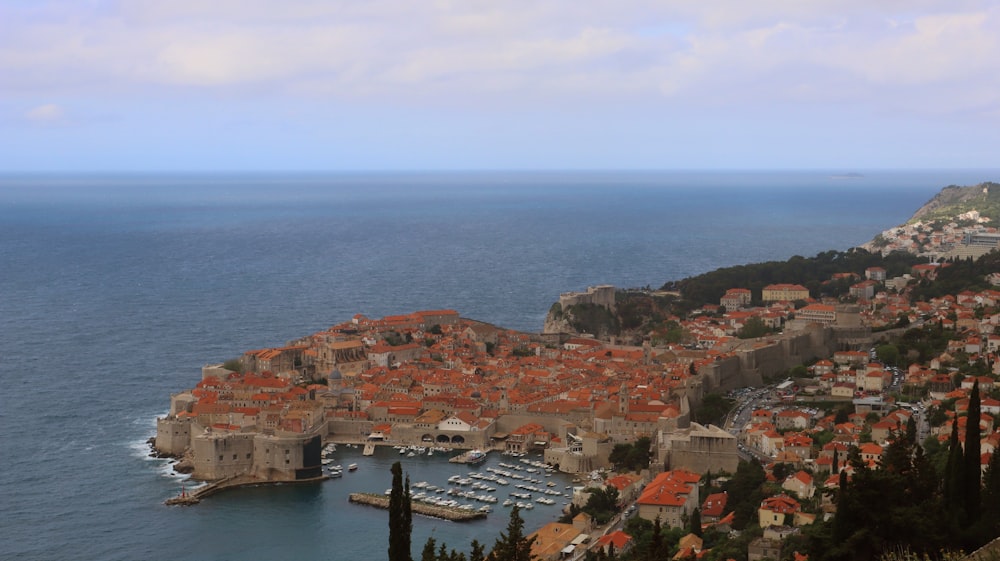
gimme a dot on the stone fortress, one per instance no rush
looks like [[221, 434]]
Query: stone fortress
[[347, 385], [601, 295]]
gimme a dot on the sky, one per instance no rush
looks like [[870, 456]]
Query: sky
[[386, 85]]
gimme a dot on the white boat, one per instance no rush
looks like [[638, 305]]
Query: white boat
[[352, 467]]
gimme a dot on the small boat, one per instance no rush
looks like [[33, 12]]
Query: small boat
[[352, 467]]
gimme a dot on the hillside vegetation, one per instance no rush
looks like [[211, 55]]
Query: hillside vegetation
[[954, 200]]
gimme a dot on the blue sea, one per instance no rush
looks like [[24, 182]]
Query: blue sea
[[115, 290]]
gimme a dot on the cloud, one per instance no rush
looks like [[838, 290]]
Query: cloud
[[46, 114], [931, 55]]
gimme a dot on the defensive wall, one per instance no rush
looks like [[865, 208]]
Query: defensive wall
[[769, 357], [601, 295]]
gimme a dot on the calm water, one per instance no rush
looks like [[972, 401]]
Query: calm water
[[115, 290]]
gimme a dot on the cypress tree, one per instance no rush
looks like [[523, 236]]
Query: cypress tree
[[655, 542], [842, 519], [696, 522], [400, 516], [972, 476], [951, 489], [407, 516], [836, 461], [990, 515]]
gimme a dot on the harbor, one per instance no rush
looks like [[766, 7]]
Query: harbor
[[331, 505]]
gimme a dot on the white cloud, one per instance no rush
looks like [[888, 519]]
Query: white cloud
[[924, 52], [46, 114]]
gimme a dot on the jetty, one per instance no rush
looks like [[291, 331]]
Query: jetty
[[469, 457], [443, 512], [369, 449], [233, 482]]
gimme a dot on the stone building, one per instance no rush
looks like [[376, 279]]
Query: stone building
[[699, 449], [601, 295]]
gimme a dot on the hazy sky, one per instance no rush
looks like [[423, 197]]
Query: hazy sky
[[503, 84]]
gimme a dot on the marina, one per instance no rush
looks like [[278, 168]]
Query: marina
[[443, 492]]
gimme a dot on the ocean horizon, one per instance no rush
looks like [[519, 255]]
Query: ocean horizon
[[117, 288]]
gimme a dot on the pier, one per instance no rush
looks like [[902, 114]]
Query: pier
[[443, 512], [236, 481]]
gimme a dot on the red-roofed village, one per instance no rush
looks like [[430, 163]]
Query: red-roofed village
[[436, 379]]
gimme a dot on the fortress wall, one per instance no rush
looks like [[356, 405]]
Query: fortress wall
[[348, 429], [414, 436], [173, 436], [553, 424], [287, 457], [214, 371], [222, 455], [602, 295], [750, 367]]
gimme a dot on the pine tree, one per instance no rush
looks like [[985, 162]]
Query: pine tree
[[477, 552], [400, 516], [429, 551], [512, 545]]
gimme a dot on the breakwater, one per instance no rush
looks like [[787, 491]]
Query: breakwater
[[443, 512], [195, 497]]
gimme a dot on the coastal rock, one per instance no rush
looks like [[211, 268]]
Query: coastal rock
[[184, 466], [556, 324]]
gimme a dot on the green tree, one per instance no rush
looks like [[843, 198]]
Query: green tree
[[477, 551], [400, 516], [602, 503], [512, 545], [656, 548], [990, 515], [887, 354], [429, 553], [972, 470], [754, 327], [713, 408], [745, 493], [695, 522]]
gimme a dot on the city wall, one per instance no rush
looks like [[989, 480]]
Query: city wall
[[773, 357]]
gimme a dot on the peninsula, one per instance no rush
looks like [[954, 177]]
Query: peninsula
[[798, 374]]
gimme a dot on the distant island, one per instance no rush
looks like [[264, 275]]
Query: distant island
[[860, 359]]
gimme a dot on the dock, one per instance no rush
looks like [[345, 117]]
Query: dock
[[234, 482], [444, 512], [369, 450], [469, 457]]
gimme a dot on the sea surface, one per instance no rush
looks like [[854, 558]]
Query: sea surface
[[115, 290]]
